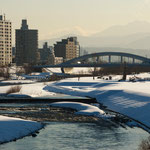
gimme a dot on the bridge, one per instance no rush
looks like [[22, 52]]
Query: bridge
[[103, 59]]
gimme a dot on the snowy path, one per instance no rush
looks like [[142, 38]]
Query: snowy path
[[128, 98]]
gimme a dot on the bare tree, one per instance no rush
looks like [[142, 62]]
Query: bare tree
[[28, 68], [4, 72], [20, 71]]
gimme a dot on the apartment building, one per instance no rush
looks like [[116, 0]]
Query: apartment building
[[26, 45], [68, 48], [5, 41], [47, 56]]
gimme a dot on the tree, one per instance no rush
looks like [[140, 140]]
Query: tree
[[4, 72], [28, 68]]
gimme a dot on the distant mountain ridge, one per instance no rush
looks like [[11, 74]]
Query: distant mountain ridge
[[123, 30], [135, 35]]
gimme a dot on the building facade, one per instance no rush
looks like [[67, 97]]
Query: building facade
[[58, 60], [47, 56], [68, 48], [5, 41], [26, 45]]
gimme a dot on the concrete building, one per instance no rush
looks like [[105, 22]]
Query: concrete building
[[52, 56], [47, 56], [26, 45], [68, 48], [58, 60], [13, 54], [5, 41]]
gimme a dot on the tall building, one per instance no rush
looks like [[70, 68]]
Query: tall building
[[5, 41], [47, 55], [26, 45], [68, 48], [13, 54]]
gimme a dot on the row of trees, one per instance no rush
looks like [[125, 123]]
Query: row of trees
[[5, 71], [121, 70]]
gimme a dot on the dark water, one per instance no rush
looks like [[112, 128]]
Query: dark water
[[80, 136]]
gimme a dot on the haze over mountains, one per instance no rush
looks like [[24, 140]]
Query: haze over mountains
[[135, 35]]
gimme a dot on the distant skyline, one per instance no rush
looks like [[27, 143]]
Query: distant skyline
[[54, 18]]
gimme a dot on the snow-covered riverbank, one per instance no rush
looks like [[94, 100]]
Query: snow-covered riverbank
[[129, 98], [14, 128], [82, 109], [28, 87]]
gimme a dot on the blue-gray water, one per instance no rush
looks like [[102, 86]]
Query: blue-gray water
[[80, 136]]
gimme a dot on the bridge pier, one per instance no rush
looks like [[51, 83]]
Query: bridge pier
[[62, 70], [133, 60], [97, 59], [109, 59], [121, 59]]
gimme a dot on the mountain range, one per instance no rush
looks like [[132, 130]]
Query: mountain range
[[134, 35]]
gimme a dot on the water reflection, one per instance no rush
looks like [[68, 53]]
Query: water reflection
[[80, 136]]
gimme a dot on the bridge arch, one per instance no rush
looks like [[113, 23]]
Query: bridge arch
[[134, 59]]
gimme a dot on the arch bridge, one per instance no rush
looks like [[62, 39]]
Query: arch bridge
[[103, 59], [106, 59]]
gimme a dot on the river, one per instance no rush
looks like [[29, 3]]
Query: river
[[80, 136]]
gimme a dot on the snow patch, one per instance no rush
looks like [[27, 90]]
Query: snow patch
[[83, 109], [14, 128]]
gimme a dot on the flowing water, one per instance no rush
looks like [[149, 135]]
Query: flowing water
[[80, 136]]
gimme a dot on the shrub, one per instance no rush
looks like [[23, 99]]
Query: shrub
[[4, 72], [20, 71], [145, 144], [55, 78], [14, 89]]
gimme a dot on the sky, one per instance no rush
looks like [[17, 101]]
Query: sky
[[53, 18]]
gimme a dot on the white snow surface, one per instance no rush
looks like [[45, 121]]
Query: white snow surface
[[28, 87], [77, 70], [14, 128], [83, 109], [129, 98]]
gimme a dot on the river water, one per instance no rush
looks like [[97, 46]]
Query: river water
[[80, 136]]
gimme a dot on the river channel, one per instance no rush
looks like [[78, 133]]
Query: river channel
[[80, 136], [68, 135]]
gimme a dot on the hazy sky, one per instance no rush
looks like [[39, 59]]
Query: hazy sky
[[51, 17]]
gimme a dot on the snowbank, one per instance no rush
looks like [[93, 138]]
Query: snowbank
[[83, 109], [29, 88], [13, 128], [78, 70], [129, 98], [37, 76]]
